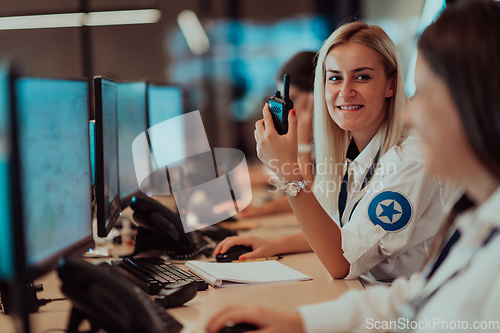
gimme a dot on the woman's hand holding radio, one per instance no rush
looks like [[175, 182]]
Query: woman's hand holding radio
[[278, 152]]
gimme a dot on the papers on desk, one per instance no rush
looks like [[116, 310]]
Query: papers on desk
[[245, 273]]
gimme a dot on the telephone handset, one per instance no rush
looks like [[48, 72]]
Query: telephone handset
[[159, 227], [109, 301]]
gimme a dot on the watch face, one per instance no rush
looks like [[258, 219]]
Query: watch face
[[291, 189]]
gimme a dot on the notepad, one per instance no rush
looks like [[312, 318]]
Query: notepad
[[245, 273]]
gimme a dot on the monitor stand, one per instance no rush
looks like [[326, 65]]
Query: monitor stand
[[144, 242], [33, 303]]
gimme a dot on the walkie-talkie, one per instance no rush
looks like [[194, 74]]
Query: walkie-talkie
[[281, 106]]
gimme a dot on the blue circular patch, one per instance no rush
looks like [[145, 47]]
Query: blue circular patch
[[390, 210]]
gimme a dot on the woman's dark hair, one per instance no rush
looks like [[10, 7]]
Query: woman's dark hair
[[463, 48], [301, 70]]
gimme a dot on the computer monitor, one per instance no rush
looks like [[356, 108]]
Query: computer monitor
[[54, 169], [13, 275], [6, 218], [132, 121], [106, 140], [164, 102]]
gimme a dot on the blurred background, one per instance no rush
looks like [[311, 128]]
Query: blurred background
[[224, 53]]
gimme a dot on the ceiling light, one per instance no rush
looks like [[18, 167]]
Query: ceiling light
[[121, 17], [193, 31]]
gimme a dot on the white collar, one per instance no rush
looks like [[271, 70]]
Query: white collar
[[366, 156], [488, 212]]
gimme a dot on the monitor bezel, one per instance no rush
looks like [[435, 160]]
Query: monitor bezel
[[125, 201], [43, 267], [12, 171], [103, 229], [20, 279]]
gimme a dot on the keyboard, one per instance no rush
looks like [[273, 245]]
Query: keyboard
[[151, 274]]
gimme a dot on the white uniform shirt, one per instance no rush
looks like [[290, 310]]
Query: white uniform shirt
[[470, 300], [389, 225]]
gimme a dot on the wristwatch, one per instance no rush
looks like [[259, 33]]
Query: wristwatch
[[293, 188]]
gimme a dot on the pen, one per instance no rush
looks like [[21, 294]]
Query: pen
[[259, 259]]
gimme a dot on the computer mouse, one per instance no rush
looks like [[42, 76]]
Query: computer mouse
[[233, 253], [239, 328]]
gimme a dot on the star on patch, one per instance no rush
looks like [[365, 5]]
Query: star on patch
[[391, 210]]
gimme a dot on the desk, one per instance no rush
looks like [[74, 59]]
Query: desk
[[195, 314], [286, 296]]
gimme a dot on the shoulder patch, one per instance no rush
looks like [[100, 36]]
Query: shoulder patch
[[390, 210]]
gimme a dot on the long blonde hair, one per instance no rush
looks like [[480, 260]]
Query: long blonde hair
[[331, 141]]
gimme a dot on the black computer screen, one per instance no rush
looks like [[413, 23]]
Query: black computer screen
[[55, 176], [106, 140], [6, 239], [132, 121]]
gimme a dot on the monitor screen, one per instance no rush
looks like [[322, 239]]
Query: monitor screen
[[54, 169], [164, 102], [106, 140], [92, 149], [6, 239], [132, 121]]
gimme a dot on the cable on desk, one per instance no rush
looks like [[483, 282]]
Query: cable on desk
[[45, 301]]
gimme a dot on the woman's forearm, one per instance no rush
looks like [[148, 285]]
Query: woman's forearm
[[295, 243], [321, 232], [306, 167]]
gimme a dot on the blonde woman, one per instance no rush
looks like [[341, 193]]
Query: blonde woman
[[372, 208]]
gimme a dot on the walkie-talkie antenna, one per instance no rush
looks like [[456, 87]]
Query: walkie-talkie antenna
[[286, 87]]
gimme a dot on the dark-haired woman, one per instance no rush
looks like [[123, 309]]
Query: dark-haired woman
[[456, 110]]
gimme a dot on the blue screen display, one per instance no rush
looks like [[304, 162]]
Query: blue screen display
[[6, 237], [131, 123], [164, 102], [55, 167], [245, 54], [92, 150]]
